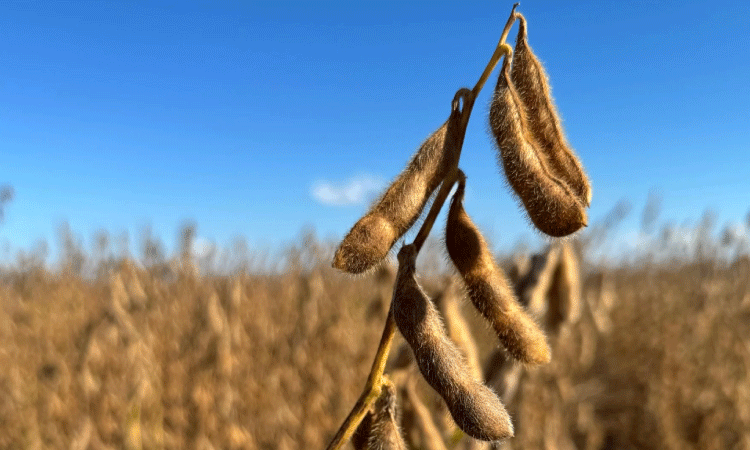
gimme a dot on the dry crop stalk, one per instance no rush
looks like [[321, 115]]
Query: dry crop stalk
[[551, 205], [475, 408], [375, 379], [431, 438], [532, 84], [488, 287]]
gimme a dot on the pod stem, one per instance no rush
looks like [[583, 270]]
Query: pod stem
[[437, 205], [501, 49], [373, 388], [468, 97]]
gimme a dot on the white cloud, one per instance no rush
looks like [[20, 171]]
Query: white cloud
[[202, 247], [356, 191]]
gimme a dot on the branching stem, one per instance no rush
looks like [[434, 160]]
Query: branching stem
[[468, 98], [437, 205], [501, 49], [376, 380]]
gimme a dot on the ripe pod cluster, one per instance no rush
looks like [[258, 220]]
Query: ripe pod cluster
[[550, 183]]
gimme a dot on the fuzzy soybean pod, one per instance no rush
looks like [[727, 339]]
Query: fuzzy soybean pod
[[532, 83], [489, 288], [551, 205], [372, 237], [475, 408], [379, 429]]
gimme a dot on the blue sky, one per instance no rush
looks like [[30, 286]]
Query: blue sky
[[260, 119]]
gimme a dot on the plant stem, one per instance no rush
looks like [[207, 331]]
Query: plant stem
[[381, 356], [437, 205], [372, 389], [501, 49], [447, 183], [469, 97]]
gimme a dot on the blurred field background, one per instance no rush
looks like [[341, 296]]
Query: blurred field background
[[103, 351], [255, 118]]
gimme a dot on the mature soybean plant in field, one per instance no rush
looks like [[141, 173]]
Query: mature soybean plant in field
[[549, 181]]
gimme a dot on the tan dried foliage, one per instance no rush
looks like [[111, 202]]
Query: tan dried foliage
[[668, 371], [550, 285], [431, 437], [204, 362]]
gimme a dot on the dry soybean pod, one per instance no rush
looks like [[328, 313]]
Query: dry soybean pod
[[488, 287], [457, 327], [372, 237], [552, 207], [532, 83], [379, 429], [475, 408], [361, 435], [565, 292], [459, 332]]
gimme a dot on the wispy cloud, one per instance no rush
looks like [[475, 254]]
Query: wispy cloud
[[356, 191], [203, 247]]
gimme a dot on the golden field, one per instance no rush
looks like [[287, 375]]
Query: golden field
[[653, 355]]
